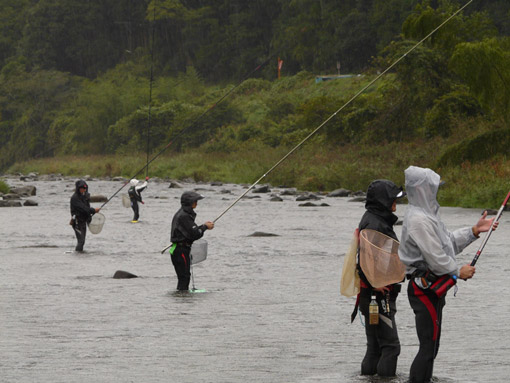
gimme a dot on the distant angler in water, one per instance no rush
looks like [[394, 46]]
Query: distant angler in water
[[81, 212], [135, 195]]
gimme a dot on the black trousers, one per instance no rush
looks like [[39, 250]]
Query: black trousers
[[80, 230], [428, 311], [134, 206], [383, 345], [182, 264]]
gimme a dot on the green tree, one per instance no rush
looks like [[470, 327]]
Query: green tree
[[485, 67], [83, 38], [28, 104], [11, 26]]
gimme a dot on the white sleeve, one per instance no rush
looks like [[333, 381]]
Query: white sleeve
[[461, 238], [141, 187]]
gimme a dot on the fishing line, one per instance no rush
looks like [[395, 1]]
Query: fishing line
[[191, 125], [341, 108]]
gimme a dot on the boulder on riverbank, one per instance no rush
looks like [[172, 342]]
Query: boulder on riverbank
[[25, 191]]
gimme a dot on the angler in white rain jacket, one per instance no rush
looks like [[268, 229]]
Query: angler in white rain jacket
[[428, 250]]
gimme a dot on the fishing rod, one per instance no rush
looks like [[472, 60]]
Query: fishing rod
[[191, 125], [335, 113], [488, 234], [150, 89]]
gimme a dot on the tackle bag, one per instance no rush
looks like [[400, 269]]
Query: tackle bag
[[443, 284], [350, 282], [379, 260]]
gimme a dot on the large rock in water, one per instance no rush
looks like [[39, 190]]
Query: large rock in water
[[10, 203], [339, 193], [98, 198], [121, 274], [262, 189], [308, 197], [262, 234]]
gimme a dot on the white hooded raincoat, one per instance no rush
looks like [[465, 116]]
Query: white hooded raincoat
[[426, 243]]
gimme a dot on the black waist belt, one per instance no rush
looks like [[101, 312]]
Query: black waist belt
[[428, 275], [185, 244]]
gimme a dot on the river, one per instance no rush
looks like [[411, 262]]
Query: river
[[272, 311]]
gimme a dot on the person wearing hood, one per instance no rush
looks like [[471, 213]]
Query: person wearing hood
[[81, 212], [183, 233], [429, 249], [135, 195], [383, 345]]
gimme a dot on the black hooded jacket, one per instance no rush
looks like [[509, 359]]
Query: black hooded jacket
[[80, 203], [184, 229]]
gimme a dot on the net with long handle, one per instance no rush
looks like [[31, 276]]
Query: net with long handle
[[379, 259], [96, 224], [198, 251]]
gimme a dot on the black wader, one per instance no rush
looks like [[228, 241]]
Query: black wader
[[134, 206], [182, 263], [428, 311], [80, 229], [383, 345]]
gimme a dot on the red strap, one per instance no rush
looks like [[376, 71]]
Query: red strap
[[430, 307]]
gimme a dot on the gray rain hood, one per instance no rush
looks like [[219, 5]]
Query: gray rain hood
[[421, 187]]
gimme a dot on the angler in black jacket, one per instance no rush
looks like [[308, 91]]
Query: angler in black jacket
[[184, 232], [81, 212], [383, 345]]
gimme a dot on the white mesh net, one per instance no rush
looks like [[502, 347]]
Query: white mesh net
[[198, 251], [379, 259], [96, 225], [349, 283]]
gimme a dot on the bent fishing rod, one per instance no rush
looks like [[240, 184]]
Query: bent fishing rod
[[335, 113], [488, 234], [182, 131]]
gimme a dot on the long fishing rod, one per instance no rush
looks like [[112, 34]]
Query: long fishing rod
[[488, 234], [334, 114], [191, 125], [150, 89]]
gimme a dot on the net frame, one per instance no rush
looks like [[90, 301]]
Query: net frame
[[96, 223], [379, 259]]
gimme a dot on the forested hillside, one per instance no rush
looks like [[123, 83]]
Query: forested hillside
[[75, 76]]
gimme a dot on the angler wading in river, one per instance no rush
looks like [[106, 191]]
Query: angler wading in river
[[81, 212], [383, 345], [183, 233], [428, 250], [135, 196]]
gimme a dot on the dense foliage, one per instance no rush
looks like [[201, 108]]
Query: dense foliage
[[75, 76]]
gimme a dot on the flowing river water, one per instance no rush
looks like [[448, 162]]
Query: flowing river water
[[272, 311]]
